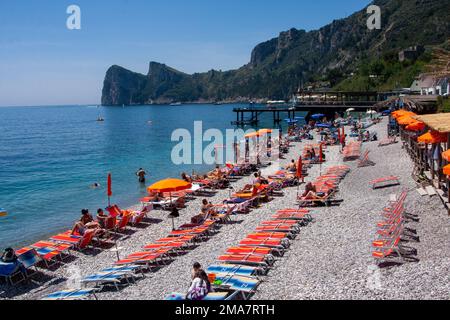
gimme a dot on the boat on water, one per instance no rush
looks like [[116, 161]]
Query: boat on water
[[100, 119], [176, 104], [3, 212]]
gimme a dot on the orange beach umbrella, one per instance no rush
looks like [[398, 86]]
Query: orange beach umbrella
[[405, 120], [169, 185], [447, 170], [416, 126], [446, 155], [432, 137], [265, 131], [252, 135]]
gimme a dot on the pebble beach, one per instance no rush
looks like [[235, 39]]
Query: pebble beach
[[330, 258]]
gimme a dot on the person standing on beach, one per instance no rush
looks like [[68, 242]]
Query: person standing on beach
[[141, 174]]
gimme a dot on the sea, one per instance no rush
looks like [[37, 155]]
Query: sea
[[51, 155]]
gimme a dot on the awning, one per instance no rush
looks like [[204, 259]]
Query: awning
[[416, 126], [432, 137]]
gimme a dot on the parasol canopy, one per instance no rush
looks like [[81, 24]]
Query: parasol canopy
[[447, 170], [432, 137], [446, 155], [169, 185], [416, 126]]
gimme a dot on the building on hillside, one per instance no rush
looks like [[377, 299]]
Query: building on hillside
[[412, 53], [430, 85]]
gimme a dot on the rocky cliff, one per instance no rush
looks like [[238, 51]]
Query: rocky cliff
[[279, 66]]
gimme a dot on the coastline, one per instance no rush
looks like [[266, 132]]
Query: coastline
[[329, 260]]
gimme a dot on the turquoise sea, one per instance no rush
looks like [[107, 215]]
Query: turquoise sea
[[49, 157]]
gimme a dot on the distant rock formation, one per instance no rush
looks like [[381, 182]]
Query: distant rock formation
[[279, 66]]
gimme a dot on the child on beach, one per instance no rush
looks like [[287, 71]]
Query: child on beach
[[200, 286]]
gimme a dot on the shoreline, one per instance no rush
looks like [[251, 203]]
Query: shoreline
[[331, 257]]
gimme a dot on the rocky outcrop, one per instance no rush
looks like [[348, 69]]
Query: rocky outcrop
[[277, 67]]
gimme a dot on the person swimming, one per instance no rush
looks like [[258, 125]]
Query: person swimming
[[95, 185], [141, 174]]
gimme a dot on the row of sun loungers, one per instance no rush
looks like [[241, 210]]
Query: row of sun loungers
[[57, 248], [327, 186], [238, 272], [391, 232]]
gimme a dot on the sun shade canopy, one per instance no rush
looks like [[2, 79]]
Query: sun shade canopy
[[416, 126], [446, 155], [447, 170], [252, 135], [432, 137], [438, 122], [169, 185]]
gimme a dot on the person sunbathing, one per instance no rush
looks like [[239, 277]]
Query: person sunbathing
[[292, 167], [186, 178], [85, 223]]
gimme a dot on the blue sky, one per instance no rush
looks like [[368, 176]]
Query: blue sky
[[44, 63]]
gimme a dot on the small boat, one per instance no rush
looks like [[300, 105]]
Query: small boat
[[100, 119], [3, 212], [175, 104]]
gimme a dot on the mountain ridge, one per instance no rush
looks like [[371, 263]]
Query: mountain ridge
[[279, 66]]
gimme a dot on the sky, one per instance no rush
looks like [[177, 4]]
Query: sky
[[42, 62]]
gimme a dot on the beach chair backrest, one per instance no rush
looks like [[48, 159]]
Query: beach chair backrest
[[29, 258], [110, 223], [114, 211], [86, 239], [124, 221]]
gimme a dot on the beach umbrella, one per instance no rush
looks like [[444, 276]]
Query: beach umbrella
[[405, 120], [446, 155], [446, 170], [350, 110], [432, 137], [170, 185], [371, 112], [109, 189], [416, 126], [323, 125], [318, 116], [265, 131], [299, 172]]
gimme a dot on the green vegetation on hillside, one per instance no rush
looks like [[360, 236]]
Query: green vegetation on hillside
[[384, 74]]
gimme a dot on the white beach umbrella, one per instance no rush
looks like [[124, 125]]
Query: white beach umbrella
[[350, 110]]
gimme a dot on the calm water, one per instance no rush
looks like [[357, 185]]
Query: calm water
[[49, 156]]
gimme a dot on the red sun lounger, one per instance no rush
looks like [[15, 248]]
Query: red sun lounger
[[280, 244]]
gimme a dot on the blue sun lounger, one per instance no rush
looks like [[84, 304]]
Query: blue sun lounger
[[233, 269], [212, 296], [75, 294], [22, 267], [244, 285], [108, 278]]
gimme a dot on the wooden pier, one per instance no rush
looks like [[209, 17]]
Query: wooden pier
[[327, 103]]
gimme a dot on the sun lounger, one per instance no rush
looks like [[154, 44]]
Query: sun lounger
[[212, 296], [244, 285], [388, 141], [365, 161], [385, 182], [250, 250], [234, 269], [248, 259], [75, 294], [78, 242], [280, 244], [47, 254]]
